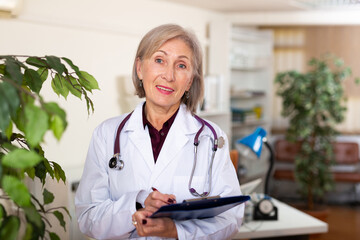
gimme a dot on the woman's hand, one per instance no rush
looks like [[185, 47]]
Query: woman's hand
[[156, 199], [161, 227]]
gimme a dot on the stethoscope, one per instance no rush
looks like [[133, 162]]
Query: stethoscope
[[117, 163]]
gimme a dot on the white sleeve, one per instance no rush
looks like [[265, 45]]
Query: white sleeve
[[98, 215], [225, 183]]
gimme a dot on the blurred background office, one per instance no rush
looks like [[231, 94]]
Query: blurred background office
[[245, 44]]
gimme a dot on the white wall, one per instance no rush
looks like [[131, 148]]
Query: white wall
[[101, 37]]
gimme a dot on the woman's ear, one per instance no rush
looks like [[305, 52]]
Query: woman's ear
[[138, 68], [189, 84]]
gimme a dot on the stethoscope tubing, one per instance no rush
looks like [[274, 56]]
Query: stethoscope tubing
[[117, 154]]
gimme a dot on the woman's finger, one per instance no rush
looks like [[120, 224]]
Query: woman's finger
[[156, 199]]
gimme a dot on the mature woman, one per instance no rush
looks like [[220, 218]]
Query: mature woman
[[156, 148]]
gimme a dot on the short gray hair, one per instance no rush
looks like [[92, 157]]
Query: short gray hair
[[153, 40]]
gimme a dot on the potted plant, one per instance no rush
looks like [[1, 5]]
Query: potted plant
[[24, 119], [314, 104]]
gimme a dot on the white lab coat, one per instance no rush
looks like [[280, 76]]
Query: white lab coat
[[105, 199]]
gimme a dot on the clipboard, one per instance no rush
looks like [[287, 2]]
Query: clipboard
[[199, 209]]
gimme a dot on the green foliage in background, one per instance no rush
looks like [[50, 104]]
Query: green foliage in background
[[314, 104], [24, 119]]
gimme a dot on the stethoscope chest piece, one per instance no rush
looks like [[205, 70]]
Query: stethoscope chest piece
[[116, 162]]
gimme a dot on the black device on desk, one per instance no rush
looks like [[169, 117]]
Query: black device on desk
[[265, 210]]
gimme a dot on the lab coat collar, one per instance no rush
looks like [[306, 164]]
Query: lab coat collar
[[181, 132]]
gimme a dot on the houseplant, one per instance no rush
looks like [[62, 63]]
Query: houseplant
[[24, 119], [314, 104]]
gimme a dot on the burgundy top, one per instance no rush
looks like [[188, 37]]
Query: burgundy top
[[158, 137]]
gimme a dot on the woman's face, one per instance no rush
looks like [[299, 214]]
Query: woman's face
[[167, 74]]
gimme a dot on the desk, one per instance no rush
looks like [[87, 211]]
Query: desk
[[290, 222]]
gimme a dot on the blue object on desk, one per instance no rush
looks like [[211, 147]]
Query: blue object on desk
[[255, 141], [199, 209]]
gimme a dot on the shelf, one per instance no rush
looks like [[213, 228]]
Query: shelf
[[242, 61], [213, 113], [290, 47], [252, 37], [248, 69], [248, 124], [246, 94]]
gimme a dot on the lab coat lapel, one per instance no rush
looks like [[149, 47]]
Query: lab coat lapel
[[179, 135], [140, 136]]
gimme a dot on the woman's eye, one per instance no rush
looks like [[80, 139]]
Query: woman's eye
[[158, 60], [182, 66]]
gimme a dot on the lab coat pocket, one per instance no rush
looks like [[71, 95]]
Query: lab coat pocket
[[121, 181], [181, 186]]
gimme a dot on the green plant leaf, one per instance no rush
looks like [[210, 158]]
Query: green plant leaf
[[54, 109], [4, 112], [13, 71], [43, 73], [33, 216], [33, 80], [60, 217], [71, 64], [40, 171], [38, 232], [37, 62], [16, 190], [9, 130], [10, 228], [36, 124], [10, 95], [357, 80], [48, 168], [88, 81], [59, 87], [58, 121], [2, 69], [2, 214], [9, 103], [48, 196], [1, 167], [30, 172], [59, 173], [55, 63], [53, 236], [67, 211], [74, 87], [28, 232], [57, 126], [21, 158]]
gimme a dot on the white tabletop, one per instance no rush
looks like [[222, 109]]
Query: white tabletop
[[290, 222]]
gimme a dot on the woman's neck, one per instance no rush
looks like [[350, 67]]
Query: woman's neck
[[157, 116]]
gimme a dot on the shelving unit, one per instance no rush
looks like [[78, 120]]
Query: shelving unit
[[243, 58], [251, 77]]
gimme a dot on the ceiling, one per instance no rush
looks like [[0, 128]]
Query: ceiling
[[269, 5]]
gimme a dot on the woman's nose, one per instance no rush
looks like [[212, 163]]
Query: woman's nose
[[169, 72]]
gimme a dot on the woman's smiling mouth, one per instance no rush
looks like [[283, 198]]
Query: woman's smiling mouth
[[164, 88]]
